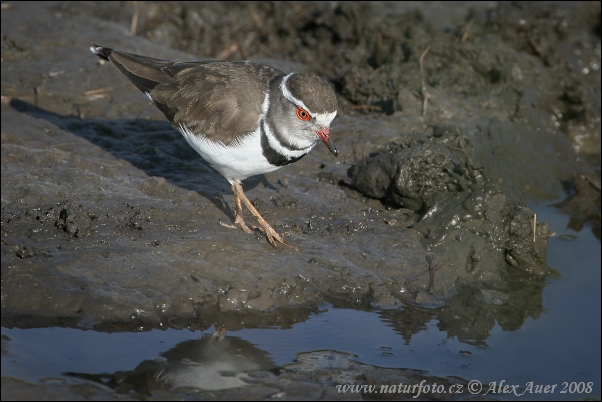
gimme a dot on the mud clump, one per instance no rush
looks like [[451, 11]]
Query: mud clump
[[417, 173], [74, 220], [471, 230]]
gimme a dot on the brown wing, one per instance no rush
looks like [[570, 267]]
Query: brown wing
[[219, 100]]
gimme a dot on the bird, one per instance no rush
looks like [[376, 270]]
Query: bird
[[243, 118]]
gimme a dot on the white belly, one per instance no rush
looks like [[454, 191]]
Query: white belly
[[235, 162]]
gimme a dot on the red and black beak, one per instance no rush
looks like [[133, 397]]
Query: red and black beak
[[324, 135]]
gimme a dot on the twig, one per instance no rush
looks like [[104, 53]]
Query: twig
[[134, 24], [595, 184], [466, 32], [229, 51], [259, 24], [534, 226], [431, 278], [460, 140], [98, 91], [425, 95], [538, 50], [431, 270], [431, 211]]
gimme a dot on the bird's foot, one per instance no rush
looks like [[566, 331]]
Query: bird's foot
[[239, 222], [273, 237]]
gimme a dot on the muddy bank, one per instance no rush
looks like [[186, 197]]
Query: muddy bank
[[452, 121], [110, 219]]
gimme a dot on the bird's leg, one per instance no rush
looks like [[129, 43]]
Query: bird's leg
[[270, 233], [239, 220]]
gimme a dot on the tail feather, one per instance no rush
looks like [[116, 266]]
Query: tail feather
[[102, 52], [144, 72]]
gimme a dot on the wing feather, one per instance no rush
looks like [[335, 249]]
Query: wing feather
[[221, 101]]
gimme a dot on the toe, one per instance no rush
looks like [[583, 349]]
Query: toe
[[274, 238]]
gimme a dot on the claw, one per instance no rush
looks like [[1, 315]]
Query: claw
[[273, 237]]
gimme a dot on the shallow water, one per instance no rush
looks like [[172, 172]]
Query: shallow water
[[561, 347]]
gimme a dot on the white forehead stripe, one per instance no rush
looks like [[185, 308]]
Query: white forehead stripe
[[325, 119], [288, 95]]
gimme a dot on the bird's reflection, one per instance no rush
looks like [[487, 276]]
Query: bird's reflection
[[214, 362]]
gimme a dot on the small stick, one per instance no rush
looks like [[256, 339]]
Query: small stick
[[466, 32], [534, 226], [431, 272], [431, 279], [258, 22], [425, 95], [98, 91], [594, 183], [134, 24], [227, 52], [538, 50]]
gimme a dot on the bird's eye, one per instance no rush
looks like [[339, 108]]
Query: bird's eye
[[303, 114]]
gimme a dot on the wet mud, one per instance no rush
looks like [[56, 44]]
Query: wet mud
[[450, 123]]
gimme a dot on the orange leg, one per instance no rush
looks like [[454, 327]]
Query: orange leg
[[271, 234], [239, 219]]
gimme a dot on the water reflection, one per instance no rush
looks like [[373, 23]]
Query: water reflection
[[214, 362], [470, 316]]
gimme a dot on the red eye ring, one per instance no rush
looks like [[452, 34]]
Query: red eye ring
[[303, 114]]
